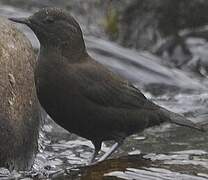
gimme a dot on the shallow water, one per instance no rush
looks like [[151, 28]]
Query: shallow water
[[165, 152]]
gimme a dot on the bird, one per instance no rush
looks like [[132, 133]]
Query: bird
[[82, 95]]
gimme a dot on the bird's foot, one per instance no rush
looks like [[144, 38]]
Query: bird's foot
[[108, 153], [93, 160]]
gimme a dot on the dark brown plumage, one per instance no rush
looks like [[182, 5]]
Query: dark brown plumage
[[82, 95]]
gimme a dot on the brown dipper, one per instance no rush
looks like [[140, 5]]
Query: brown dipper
[[82, 95]]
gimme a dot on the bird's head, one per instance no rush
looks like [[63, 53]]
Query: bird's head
[[55, 27]]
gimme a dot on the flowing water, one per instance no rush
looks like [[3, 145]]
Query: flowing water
[[160, 153]]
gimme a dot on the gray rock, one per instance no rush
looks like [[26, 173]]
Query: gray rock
[[19, 108]]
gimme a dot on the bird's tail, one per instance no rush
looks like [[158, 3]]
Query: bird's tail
[[181, 120]]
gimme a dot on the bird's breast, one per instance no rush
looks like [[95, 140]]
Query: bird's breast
[[60, 97]]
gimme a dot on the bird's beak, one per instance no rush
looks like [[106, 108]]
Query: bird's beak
[[21, 20]]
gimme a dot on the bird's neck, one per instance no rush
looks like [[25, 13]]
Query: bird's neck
[[63, 53]]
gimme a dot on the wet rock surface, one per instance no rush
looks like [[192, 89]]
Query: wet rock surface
[[19, 109]]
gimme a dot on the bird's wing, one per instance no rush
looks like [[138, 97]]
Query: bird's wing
[[101, 86]]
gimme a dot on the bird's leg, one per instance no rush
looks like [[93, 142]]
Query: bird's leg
[[112, 149], [96, 151]]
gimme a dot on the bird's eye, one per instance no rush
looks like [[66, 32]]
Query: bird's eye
[[49, 19]]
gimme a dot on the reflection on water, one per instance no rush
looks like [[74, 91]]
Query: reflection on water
[[166, 152]]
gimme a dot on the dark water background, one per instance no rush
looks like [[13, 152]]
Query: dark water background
[[165, 152]]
